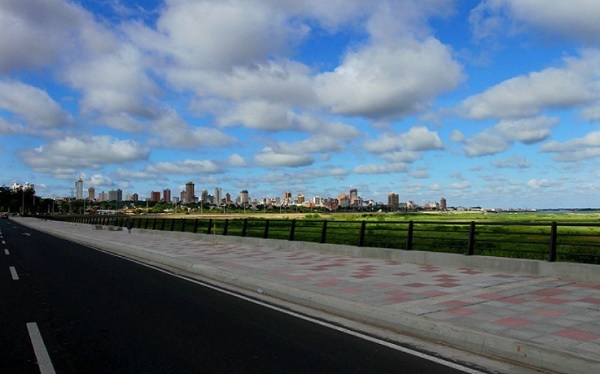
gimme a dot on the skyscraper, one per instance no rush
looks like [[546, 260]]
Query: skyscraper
[[393, 201], [218, 195], [353, 196], [79, 190], [189, 192], [92, 193], [167, 195]]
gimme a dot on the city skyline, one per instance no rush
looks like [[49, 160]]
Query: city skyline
[[486, 103]]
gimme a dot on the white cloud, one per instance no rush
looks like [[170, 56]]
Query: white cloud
[[172, 131], [514, 162], [219, 35], [537, 184], [578, 149], [33, 105], [500, 137], [38, 33], [381, 168], [562, 19], [114, 83], [258, 114], [91, 152], [236, 160], [572, 86], [389, 82], [184, 167], [271, 158], [418, 138]]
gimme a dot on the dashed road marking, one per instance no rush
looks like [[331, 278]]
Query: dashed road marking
[[41, 353], [13, 273], [6, 252]]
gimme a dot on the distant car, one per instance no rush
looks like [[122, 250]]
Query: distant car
[[4, 215]]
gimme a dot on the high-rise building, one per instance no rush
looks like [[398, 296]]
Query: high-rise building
[[204, 196], [155, 196], [443, 205], [244, 197], [92, 193], [115, 195], [393, 201], [167, 195], [218, 195], [79, 190], [301, 198], [354, 196], [189, 192], [135, 197]]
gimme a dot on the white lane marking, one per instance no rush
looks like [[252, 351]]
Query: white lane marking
[[360, 335], [41, 353], [13, 273], [3, 242], [6, 252], [26, 234]]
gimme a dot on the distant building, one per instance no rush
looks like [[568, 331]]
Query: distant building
[[92, 193], [79, 190], [354, 197], [301, 198], [190, 195], [155, 196], [167, 195], [443, 205], [135, 197], [244, 197], [393, 201], [218, 195], [115, 195]]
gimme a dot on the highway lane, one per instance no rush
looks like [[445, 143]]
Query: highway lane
[[98, 313]]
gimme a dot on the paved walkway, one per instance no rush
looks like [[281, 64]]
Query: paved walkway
[[545, 322]]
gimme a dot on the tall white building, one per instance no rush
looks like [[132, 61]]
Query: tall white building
[[79, 190]]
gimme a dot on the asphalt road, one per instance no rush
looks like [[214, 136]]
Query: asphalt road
[[97, 313]]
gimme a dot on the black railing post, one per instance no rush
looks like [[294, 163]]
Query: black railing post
[[245, 227], [361, 238], [292, 230], [324, 232], [471, 243], [409, 235], [172, 225], [553, 233], [154, 224], [226, 227], [209, 229], [183, 225], [266, 233], [162, 225], [196, 226]]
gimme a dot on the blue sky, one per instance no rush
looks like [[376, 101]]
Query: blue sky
[[490, 103]]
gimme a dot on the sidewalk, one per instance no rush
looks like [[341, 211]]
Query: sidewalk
[[544, 322]]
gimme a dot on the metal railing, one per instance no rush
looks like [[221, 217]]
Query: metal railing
[[550, 241]]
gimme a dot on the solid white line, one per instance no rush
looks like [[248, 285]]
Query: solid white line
[[13, 273], [396, 347], [43, 359], [6, 252]]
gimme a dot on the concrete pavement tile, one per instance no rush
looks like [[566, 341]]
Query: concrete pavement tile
[[526, 334]]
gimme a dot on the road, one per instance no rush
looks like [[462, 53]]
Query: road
[[97, 313]]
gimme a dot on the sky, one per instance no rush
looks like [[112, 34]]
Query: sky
[[486, 103]]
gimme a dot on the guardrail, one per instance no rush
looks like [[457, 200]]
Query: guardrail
[[552, 241]]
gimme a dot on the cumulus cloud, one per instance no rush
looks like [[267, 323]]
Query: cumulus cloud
[[272, 158], [389, 82], [574, 85], [38, 33], [33, 105], [381, 168], [93, 152], [514, 162], [552, 18], [500, 137], [172, 131], [236, 160], [184, 167], [418, 138], [577, 149]]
